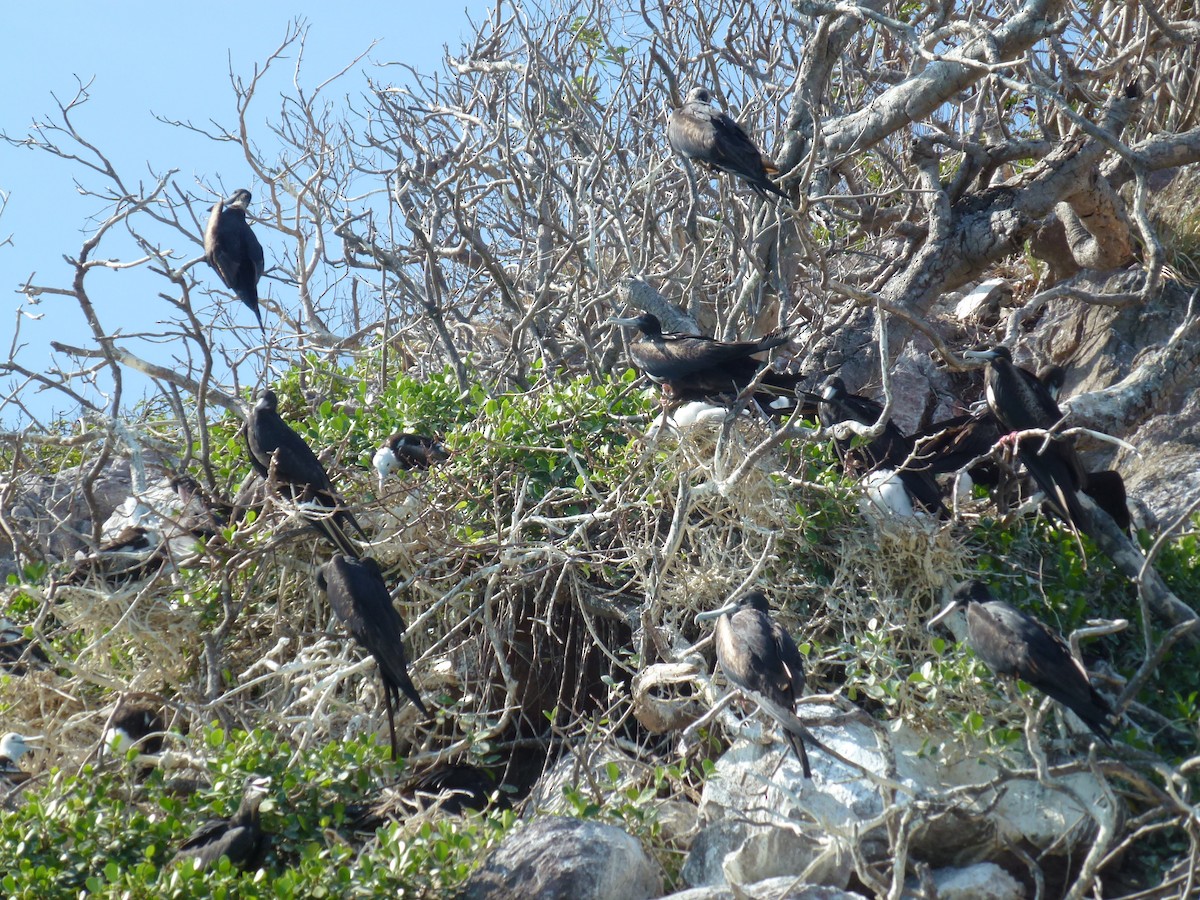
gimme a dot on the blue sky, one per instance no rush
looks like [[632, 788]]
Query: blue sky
[[171, 60]]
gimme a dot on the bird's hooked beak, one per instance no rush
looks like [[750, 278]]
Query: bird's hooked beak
[[946, 610], [627, 321], [979, 355], [727, 609]]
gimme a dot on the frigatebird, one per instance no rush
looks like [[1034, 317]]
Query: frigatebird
[[12, 747], [695, 367], [1015, 644], [407, 451], [135, 725], [890, 450], [272, 443], [361, 601], [239, 837], [16, 650], [232, 249], [757, 654], [1021, 402], [700, 132]]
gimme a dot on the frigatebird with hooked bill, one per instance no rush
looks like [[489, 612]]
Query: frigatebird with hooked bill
[[273, 444], [240, 837], [361, 601], [700, 132], [232, 249], [758, 655], [406, 451], [1015, 644]]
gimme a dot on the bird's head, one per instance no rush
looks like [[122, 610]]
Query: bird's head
[[645, 323], [14, 745], [240, 200], [986, 354], [267, 401], [832, 388], [964, 596], [755, 600], [699, 95]]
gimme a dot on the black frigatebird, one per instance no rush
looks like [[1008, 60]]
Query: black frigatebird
[[239, 837], [890, 450], [407, 451], [272, 442], [1015, 644], [232, 249], [135, 725], [700, 132], [16, 650], [696, 367], [361, 601], [1021, 402], [757, 654]]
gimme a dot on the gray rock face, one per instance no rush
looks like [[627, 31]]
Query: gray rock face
[[984, 881], [554, 858], [768, 889], [760, 818]]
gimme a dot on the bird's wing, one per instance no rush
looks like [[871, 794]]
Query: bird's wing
[[790, 656]]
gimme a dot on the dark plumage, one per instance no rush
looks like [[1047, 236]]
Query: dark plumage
[[239, 837], [134, 553], [16, 650], [135, 725], [201, 514], [890, 450], [1015, 644], [232, 249], [699, 132], [267, 437], [1021, 402], [361, 601], [408, 451], [757, 654], [695, 367]]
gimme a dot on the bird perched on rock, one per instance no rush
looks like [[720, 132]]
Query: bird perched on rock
[[239, 837], [695, 367], [758, 655], [1015, 644], [407, 451], [272, 443], [231, 248], [361, 601], [700, 132]]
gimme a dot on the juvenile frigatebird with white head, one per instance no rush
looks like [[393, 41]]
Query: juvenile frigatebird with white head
[[231, 248], [406, 451], [362, 602], [12, 747], [698, 131], [1014, 644], [758, 655], [273, 443]]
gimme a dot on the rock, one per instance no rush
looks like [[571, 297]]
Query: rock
[[983, 881], [981, 305], [554, 857], [768, 889], [761, 818]]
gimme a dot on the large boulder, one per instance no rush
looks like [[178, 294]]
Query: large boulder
[[554, 857], [760, 818]]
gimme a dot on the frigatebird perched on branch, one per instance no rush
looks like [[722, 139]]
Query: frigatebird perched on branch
[[12, 747], [891, 449], [273, 444], [757, 654], [696, 367], [700, 132], [1021, 402], [1015, 644], [232, 249], [240, 837], [361, 601], [408, 451]]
